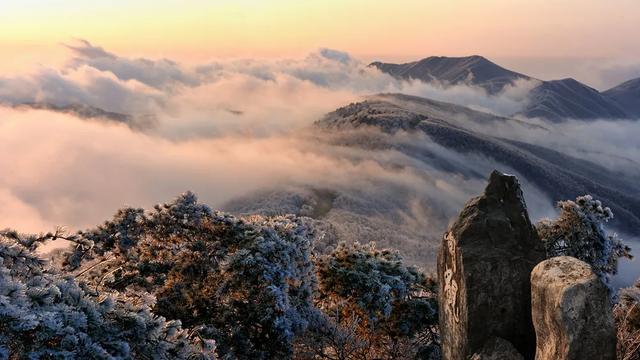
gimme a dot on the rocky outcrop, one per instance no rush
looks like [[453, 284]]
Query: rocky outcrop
[[571, 312], [497, 349], [484, 268]]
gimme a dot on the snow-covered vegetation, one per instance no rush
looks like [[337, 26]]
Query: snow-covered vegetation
[[183, 281], [47, 314], [579, 232], [375, 307]]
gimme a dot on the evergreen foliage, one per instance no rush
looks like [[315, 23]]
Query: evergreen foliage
[[248, 283], [377, 308], [579, 232], [45, 314]]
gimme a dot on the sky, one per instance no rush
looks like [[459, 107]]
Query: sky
[[528, 35]]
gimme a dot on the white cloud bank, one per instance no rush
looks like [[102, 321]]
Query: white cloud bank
[[226, 129]]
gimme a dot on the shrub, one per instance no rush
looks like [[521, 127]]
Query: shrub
[[376, 307], [46, 314], [238, 288], [248, 283], [579, 232]]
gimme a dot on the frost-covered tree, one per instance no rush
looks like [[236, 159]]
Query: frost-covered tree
[[239, 288], [247, 283], [579, 232], [377, 308], [48, 315]]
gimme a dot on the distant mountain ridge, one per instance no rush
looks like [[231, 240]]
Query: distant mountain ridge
[[475, 70], [568, 98], [627, 95], [553, 100], [136, 122], [559, 175]]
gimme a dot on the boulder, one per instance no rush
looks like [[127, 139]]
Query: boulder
[[497, 349], [571, 312], [484, 268]]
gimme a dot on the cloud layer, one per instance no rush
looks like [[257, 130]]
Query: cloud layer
[[236, 131], [95, 77]]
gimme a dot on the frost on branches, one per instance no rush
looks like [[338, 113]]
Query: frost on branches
[[377, 308], [579, 232], [47, 315], [248, 283], [183, 281]]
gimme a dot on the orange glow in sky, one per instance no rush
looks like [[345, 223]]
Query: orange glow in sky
[[31, 30]]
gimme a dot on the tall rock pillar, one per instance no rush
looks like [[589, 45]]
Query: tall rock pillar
[[484, 268]]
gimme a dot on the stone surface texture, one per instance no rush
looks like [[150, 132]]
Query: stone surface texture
[[484, 268], [571, 312]]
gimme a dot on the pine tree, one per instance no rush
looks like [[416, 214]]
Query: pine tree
[[579, 232], [376, 307], [247, 283], [47, 314]]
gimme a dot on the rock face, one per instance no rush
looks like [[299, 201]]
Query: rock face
[[571, 312], [484, 268], [497, 349]]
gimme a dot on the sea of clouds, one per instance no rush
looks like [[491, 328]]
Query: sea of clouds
[[235, 131]]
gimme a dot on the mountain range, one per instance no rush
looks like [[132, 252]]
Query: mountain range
[[553, 100], [471, 132], [82, 111], [475, 70], [451, 148], [402, 166]]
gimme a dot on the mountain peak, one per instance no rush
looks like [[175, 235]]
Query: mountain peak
[[568, 80], [469, 57], [554, 100], [471, 70]]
